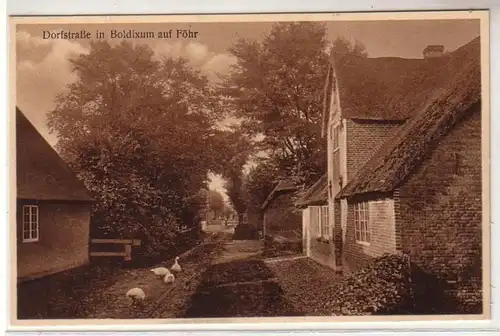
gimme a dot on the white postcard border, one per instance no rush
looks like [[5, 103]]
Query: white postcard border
[[294, 6]]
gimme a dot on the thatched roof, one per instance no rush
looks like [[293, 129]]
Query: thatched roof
[[317, 194], [282, 186], [435, 116], [41, 173], [387, 88]]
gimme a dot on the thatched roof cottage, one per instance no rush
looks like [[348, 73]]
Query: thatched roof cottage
[[53, 208], [404, 163]]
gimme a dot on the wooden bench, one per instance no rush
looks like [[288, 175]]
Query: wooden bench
[[127, 243]]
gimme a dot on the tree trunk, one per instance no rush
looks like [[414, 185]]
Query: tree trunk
[[241, 219]]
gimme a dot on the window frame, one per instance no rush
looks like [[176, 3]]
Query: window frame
[[31, 225], [321, 220], [335, 130], [335, 136], [362, 225], [325, 222], [316, 217]]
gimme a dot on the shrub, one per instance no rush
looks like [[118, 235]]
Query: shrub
[[382, 287], [391, 285], [274, 248], [160, 236], [245, 232]]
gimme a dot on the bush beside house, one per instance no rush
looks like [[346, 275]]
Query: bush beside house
[[393, 285]]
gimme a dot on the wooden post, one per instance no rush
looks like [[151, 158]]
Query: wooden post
[[128, 252]]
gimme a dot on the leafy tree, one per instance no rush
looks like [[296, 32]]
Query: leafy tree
[[228, 211], [234, 186], [216, 202], [276, 87], [236, 149], [342, 46], [259, 183], [136, 130]]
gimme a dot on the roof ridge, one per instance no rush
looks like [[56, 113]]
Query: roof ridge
[[434, 120], [41, 186], [389, 88]]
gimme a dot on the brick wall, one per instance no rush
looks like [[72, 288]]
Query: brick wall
[[282, 216], [63, 239], [440, 206], [382, 225], [337, 235], [363, 140]]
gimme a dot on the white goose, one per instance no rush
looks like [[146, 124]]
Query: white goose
[[160, 271], [169, 278], [176, 267], [135, 295]]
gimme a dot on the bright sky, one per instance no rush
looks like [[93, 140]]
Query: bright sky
[[43, 69]]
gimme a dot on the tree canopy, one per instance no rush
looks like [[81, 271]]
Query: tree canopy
[[216, 202], [276, 88], [140, 132]]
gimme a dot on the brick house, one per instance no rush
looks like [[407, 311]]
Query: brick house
[[282, 221], [316, 227], [404, 162], [53, 208]]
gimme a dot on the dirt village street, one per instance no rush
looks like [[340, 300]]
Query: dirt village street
[[220, 277]]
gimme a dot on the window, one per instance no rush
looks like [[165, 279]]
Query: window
[[361, 222], [320, 220], [324, 222], [30, 223], [334, 134], [316, 219]]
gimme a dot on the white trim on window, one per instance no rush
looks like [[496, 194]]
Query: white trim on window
[[316, 220], [325, 224], [320, 221], [362, 227], [31, 226], [335, 135], [335, 156]]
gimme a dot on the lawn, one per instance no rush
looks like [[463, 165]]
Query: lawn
[[306, 284], [70, 294], [98, 291], [162, 300], [236, 271], [241, 288]]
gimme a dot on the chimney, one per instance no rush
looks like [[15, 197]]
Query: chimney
[[433, 51]]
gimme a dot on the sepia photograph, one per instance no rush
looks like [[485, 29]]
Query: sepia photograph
[[225, 167]]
